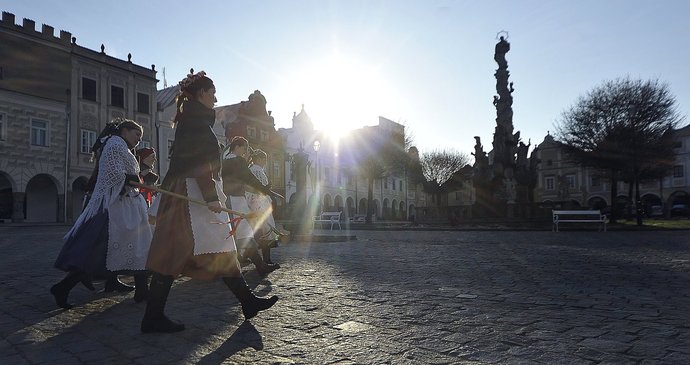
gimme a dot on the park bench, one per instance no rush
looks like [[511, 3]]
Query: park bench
[[579, 216], [328, 217]]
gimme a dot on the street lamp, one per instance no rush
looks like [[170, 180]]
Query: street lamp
[[317, 146]]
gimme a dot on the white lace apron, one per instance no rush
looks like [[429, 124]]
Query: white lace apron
[[261, 204], [129, 234], [211, 230]]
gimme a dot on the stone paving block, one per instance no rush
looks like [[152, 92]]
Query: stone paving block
[[477, 297]]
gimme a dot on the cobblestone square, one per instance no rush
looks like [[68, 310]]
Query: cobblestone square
[[389, 297]]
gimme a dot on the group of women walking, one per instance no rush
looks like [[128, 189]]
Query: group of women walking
[[113, 236]]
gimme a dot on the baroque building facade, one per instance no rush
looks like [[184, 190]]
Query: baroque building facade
[[55, 97]]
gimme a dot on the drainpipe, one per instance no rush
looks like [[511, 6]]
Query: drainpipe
[[67, 151]]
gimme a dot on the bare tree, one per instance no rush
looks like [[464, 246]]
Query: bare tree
[[439, 166], [622, 126]]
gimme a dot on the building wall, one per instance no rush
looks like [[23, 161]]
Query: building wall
[[41, 85]]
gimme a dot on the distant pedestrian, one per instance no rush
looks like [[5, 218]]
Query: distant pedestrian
[[236, 178], [263, 224], [191, 239], [112, 234]]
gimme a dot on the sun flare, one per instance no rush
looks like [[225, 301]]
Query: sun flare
[[342, 93]]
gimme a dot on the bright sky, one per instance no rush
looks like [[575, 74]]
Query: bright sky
[[427, 63]]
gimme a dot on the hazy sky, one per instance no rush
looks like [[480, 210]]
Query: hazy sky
[[427, 64]]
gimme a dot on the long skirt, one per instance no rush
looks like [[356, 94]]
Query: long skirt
[[173, 246], [86, 249], [114, 240]]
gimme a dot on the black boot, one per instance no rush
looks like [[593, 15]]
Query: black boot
[[141, 287], [61, 290], [114, 284], [262, 267], [88, 284], [251, 304], [266, 254], [154, 317]]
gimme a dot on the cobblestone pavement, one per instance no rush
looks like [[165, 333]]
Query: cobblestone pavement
[[389, 297]]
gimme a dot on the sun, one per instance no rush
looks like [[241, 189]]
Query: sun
[[342, 93]]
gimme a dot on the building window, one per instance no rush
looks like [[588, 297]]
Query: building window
[[393, 186], [117, 96], [143, 103], [251, 132], [88, 89], [264, 136], [549, 183], [549, 162], [385, 183], [457, 195], [596, 180], [276, 171], [88, 138], [678, 171], [401, 185], [39, 132], [3, 123], [571, 181]]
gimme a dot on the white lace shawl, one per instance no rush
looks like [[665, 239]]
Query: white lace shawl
[[116, 160], [260, 174]]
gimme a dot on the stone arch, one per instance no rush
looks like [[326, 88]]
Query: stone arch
[[362, 207], [7, 188], [78, 196], [597, 202], [350, 206], [679, 197], [41, 202], [327, 205], [338, 203]]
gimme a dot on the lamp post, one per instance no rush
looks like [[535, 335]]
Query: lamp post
[[317, 187]]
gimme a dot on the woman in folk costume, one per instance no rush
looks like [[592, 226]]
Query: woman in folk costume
[[236, 178], [147, 157], [112, 234], [263, 223], [192, 239]]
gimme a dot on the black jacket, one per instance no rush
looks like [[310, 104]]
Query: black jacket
[[236, 175], [195, 152]]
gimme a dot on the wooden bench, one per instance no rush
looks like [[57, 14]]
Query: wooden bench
[[579, 216], [328, 217]]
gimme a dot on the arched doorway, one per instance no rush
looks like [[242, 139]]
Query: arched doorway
[[386, 209], [597, 203], [41, 201], [6, 199], [411, 213], [376, 209], [362, 209], [338, 203], [350, 203], [394, 206], [78, 194], [327, 205], [401, 210]]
